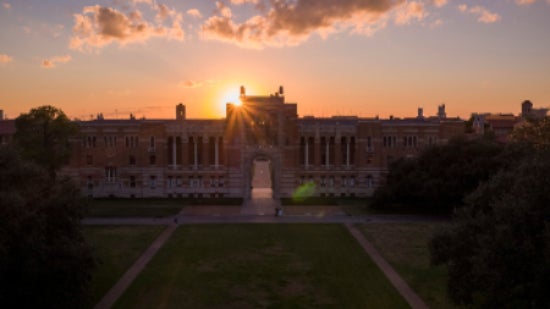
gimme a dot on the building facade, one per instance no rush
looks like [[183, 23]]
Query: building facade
[[341, 155]]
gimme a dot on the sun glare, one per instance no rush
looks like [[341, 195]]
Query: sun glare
[[231, 96]]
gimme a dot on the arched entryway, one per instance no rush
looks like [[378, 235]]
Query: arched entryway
[[268, 166], [261, 182], [261, 171]]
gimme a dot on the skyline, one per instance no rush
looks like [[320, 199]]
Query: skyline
[[353, 57]]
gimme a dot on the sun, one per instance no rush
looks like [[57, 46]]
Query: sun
[[231, 96]]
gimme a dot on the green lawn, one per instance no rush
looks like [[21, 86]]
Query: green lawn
[[259, 266], [116, 249], [405, 247]]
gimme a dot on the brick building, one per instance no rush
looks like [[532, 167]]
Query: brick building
[[341, 155]]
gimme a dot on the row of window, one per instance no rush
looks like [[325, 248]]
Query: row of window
[[330, 180], [171, 181], [408, 141]]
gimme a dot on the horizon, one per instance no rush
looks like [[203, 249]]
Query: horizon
[[356, 58]]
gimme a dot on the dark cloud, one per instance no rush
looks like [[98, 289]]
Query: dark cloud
[[288, 22]]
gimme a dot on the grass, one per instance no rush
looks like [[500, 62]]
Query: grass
[[145, 207], [116, 248], [261, 266], [405, 247]]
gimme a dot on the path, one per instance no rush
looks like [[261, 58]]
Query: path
[[124, 282], [402, 287]]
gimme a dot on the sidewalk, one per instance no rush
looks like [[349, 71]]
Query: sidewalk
[[400, 285]]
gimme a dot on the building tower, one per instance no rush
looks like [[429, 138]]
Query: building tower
[[180, 112]]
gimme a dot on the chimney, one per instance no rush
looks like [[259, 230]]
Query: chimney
[[420, 113], [441, 111], [180, 112], [281, 90], [243, 91], [1, 114]]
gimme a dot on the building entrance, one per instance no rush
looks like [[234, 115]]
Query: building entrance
[[261, 183]]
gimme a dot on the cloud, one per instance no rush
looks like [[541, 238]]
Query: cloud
[[6, 5], [525, 2], [50, 63], [410, 11], [239, 2], [440, 3], [194, 84], [289, 22], [189, 84], [194, 13], [484, 15], [98, 26], [5, 59]]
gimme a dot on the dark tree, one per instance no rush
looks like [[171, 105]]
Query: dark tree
[[534, 133], [498, 248], [44, 260], [43, 136], [441, 176]]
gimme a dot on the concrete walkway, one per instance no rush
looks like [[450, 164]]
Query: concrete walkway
[[402, 287], [124, 282]]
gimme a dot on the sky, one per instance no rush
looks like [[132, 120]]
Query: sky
[[348, 57]]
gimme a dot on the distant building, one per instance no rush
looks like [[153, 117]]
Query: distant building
[[501, 125], [341, 155]]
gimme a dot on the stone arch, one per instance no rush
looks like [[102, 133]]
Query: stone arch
[[276, 170]]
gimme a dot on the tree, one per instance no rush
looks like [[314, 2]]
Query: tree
[[44, 260], [534, 132], [441, 176], [498, 248], [43, 136]]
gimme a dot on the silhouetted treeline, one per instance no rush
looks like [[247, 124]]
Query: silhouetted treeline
[[442, 175]]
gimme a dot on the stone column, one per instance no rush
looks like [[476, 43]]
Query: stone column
[[174, 152], [327, 148], [205, 151], [216, 152], [306, 153], [195, 154], [348, 140]]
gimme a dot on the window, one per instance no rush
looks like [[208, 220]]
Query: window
[[89, 160], [369, 181], [89, 141], [132, 181], [90, 183], [131, 141], [170, 181], [152, 160], [220, 181], [132, 160], [153, 181], [178, 181], [352, 181], [110, 174], [152, 142], [331, 181], [110, 141]]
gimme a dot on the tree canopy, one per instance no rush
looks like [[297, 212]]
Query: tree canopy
[[441, 176], [44, 260], [497, 249], [43, 135]]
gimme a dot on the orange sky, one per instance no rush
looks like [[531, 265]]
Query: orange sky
[[353, 57]]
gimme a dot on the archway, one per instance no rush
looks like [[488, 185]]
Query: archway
[[265, 158], [261, 183], [262, 172]]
